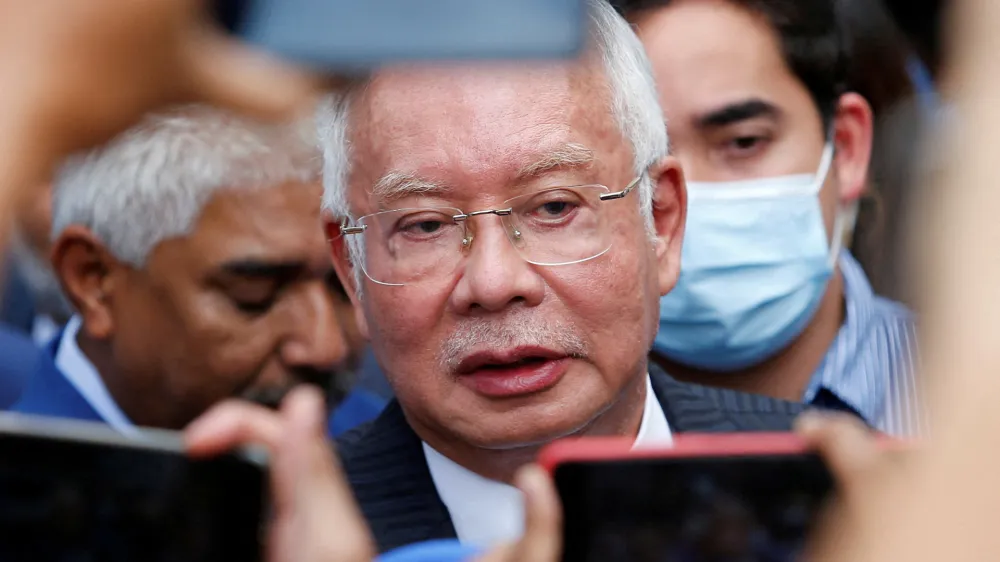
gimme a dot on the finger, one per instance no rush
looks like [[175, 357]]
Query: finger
[[315, 486], [847, 446], [231, 424], [227, 73], [542, 540]]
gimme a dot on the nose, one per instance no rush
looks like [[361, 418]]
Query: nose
[[316, 339], [495, 275]]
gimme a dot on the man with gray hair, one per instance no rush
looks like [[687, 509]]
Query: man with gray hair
[[509, 232], [192, 250]]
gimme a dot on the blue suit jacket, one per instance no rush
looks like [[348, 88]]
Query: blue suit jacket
[[20, 359], [365, 401], [49, 393], [17, 308]]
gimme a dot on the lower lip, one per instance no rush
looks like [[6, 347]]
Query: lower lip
[[517, 381]]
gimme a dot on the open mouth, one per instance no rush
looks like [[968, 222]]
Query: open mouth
[[515, 364], [513, 372]]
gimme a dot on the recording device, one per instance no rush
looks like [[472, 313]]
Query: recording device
[[81, 491], [346, 35], [718, 498]]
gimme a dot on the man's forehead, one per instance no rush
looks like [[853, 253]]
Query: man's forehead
[[463, 118], [738, 58], [279, 221]]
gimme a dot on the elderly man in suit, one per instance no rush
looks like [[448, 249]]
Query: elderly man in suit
[[510, 230], [192, 250]]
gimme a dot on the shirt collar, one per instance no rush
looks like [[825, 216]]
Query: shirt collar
[[82, 374], [842, 371], [486, 512], [43, 329]]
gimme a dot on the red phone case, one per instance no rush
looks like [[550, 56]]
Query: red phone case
[[688, 445], [596, 449]]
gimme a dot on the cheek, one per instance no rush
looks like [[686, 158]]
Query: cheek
[[607, 301], [406, 325], [221, 344]]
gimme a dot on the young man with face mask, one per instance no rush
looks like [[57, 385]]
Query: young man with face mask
[[776, 154]]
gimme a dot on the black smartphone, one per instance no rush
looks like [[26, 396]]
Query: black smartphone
[[74, 491], [345, 35], [706, 499]]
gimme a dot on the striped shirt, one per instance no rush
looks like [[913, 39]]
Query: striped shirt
[[871, 364]]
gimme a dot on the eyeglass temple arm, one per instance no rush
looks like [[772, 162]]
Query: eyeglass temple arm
[[345, 229], [619, 194]]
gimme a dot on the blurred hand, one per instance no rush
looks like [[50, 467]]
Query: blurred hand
[[542, 540], [316, 519], [78, 72], [866, 474]]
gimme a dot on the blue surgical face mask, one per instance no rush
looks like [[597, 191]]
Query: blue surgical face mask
[[755, 265]]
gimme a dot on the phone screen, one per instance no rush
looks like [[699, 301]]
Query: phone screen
[[350, 35], [718, 509], [82, 500]]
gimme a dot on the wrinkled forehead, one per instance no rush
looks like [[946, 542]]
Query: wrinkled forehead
[[481, 123]]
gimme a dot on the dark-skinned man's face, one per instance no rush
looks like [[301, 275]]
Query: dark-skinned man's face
[[243, 306]]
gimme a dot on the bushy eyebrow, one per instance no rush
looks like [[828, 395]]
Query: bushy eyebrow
[[398, 185], [736, 112], [395, 185], [570, 155]]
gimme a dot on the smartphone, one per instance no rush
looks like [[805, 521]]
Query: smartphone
[[708, 498], [79, 491], [346, 35]]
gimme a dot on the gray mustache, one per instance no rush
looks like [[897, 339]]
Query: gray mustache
[[494, 334]]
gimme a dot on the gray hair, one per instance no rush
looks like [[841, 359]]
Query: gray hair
[[633, 100], [151, 183]]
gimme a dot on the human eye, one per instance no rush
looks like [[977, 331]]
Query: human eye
[[254, 307], [423, 225], [253, 298], [553, 206], [741, 146]]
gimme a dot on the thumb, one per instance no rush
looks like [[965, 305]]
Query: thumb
[[847, 446], [542, 540], [329, 525], [226, 72]]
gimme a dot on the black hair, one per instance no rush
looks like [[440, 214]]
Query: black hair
[[877, 54], [812, 42]]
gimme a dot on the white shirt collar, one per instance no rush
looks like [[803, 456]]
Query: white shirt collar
[[82, 374], [486, 512], [43, 329]]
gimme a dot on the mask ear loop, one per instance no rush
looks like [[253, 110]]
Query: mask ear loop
[[840, 219], [837, 237]]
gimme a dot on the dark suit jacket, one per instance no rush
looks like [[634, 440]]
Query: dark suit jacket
[[49, 393], [385, 462]]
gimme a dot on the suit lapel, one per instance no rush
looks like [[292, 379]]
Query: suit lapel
[[386, 467], [691, 408]]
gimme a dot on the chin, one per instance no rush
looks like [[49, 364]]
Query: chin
[[518, 434]]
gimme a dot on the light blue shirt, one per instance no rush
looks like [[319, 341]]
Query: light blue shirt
[[82, 374], [871, 364]]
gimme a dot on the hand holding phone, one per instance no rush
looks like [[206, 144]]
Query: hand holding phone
[[315, 518], [81, 491], [739, 498]]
